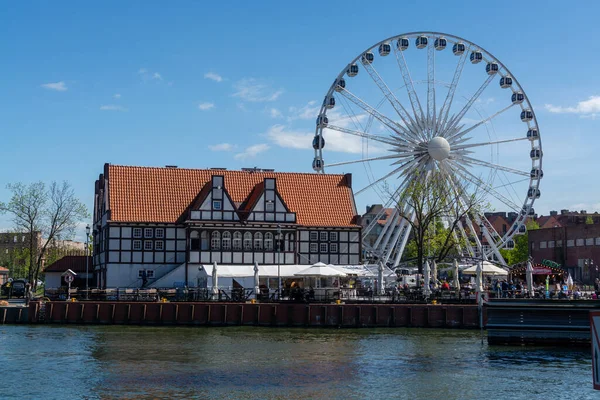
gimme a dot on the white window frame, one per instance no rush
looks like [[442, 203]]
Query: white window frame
[[570, 243], [333, 236], [226, 240], [137, 232], [150, 273], [579, 242], [217, 205], [159, 245], [268, 238], [148, 245], [598, 241], [314, 236], [589, 241], [148, 232], [543, 244], [160, 233], [333, 248], [314, 247], [237, 240], [270, 206], [323, 236], [323, 248], [248, 241], [551, 244], [137, 245]]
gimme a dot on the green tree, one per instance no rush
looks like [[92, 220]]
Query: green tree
[[589, 220], [431, 198], [54, 211], [520, 253]]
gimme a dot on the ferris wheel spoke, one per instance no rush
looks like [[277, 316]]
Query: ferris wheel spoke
[[444, 111], [365, 160], [410, 88], [468, 176], [395, 103], [394, 126], [482, 163], [431, 112], [381, 139], [391, 201], [405, 166], [470, 146], [458, 117], [460, 134]]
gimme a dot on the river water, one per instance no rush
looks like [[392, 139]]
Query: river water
[[128, 362]]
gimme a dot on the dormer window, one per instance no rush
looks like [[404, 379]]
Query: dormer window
[[217, 205]]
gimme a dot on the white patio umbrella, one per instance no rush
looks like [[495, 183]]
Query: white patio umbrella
[[529, 278], [426, 288], [456, 280], [434, 273], [570, 282], [320, 270], [215, 279], [256, 282], [487, 269], [479, 278], [381, 283]]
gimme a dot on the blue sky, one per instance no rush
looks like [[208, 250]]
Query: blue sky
[[219, 84]]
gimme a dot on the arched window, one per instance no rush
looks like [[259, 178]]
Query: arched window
[[258, 241], [215, 242], [204, 244], [268, 241], [247, 241], [226, 241], [194, 241], [237, 241]]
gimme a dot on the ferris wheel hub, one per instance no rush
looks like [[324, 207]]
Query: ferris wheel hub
[[438, 148]]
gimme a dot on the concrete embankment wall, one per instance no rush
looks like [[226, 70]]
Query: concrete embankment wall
[[14, 315], [259, 314]]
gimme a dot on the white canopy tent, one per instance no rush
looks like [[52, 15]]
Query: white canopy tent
[[488, 269]]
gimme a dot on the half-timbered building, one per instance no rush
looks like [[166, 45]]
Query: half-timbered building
[[149, 222]]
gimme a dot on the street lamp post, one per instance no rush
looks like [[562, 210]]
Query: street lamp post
[[278, 261], [87, 261]]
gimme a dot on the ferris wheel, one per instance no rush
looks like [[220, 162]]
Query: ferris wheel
[[401, 123]]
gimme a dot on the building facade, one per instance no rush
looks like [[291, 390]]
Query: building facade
[[576, 248], [149, 222]]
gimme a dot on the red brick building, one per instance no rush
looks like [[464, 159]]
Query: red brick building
[[575, 247]]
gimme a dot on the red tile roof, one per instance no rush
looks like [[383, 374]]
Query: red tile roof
[[149, 194], [3, 269], [74, 263]]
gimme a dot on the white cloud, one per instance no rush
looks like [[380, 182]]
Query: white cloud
[[274, 113], [58, 86], [206, 106], [309, 111], [485, 101], [221, 147], [335, 141], [252, 151], [589, 108], [148, 76], [213, 77], [112, 107], [253, 90], [117, 96]]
